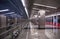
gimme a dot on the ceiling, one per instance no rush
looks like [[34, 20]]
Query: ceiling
[[33, 9], [29, 4]]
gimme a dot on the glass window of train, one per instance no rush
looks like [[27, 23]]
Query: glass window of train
[[11, 21], [49, 19], [46, 19], [52, 19], [55, 18], [8, 21], [58, 18]]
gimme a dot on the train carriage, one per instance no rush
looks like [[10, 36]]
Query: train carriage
[[52, 21]]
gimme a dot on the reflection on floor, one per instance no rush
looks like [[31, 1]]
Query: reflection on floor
[[37, 34], [34, 33]]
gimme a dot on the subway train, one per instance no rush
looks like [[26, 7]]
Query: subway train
[[11, 14], [52, 21], [9, 27]]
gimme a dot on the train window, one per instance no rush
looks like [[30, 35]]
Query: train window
[[50, 19], [2, 20], [54, 19], [6, 20], [11, 21], [59, 19]]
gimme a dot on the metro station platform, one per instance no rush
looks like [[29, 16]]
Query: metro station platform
[[29, 19], [34, 33]]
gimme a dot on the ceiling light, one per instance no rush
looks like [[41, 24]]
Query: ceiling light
[[10, 13], [36, 8], [4, 10], [41, 9], [26, 12], [23, 2], [44, 5]]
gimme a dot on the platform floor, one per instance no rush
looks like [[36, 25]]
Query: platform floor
[[34, 33]]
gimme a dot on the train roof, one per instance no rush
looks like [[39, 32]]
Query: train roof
[[56, 14]]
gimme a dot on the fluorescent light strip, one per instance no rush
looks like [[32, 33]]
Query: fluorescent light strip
[[23, 2], [10, 13], [36, 8], [26, 12], [44, 5], [4, 10], [41, 9]]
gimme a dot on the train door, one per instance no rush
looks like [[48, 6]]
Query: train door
[[58, 30], [55, 25], [58, 21], [55, 19], [51, 21]]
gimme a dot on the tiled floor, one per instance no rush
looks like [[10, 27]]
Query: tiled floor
[[37, 34], [34, 33]]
